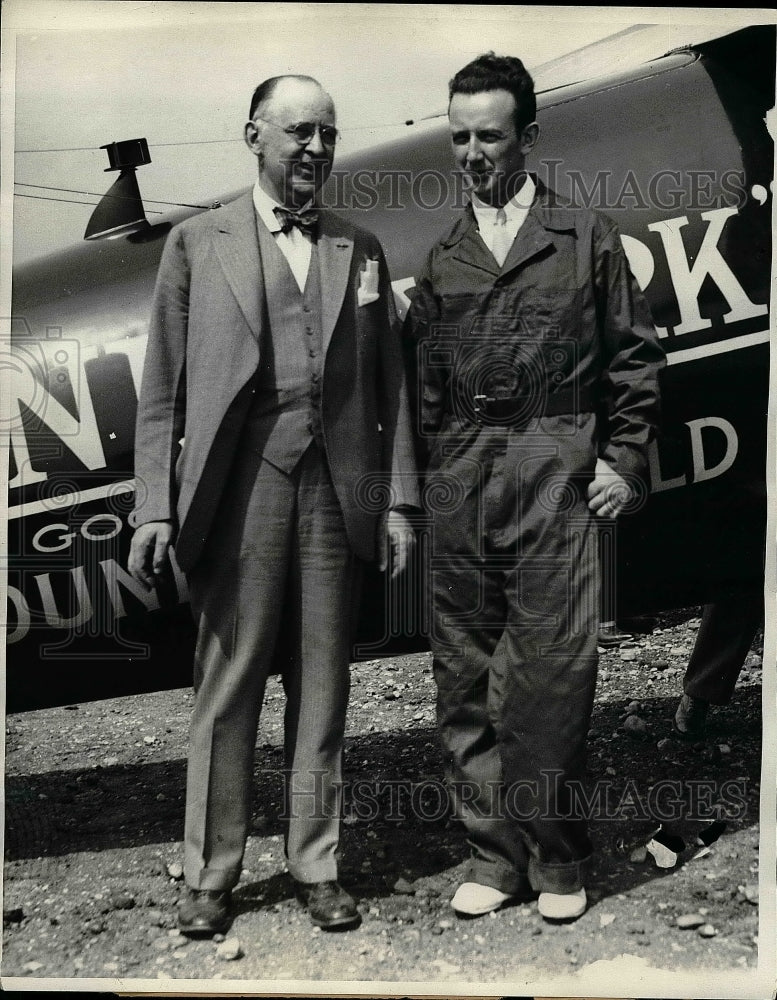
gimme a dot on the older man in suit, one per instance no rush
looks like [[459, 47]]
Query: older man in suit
[[273, 391]]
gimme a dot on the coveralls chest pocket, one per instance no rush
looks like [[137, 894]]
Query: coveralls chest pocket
[[539, 311]]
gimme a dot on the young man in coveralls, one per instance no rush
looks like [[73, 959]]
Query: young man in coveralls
[[273, 394], [527, 323]]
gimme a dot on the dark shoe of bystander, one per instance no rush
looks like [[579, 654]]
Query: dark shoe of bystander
[[690, 718], [610, 636]]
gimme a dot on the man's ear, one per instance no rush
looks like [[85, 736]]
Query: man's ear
[[529, 136], [252, 136]]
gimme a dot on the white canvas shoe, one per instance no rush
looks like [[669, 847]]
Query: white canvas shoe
[[473, 899], [562, 906]]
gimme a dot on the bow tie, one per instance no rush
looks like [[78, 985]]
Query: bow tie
[[306, 221]]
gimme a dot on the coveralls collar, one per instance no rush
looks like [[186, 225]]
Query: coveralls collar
[[547, 214]]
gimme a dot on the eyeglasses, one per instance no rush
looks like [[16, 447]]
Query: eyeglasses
[[304, 132]]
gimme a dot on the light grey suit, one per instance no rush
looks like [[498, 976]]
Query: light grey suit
[[252, 538]]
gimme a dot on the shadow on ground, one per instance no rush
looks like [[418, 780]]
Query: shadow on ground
[[404, 829]]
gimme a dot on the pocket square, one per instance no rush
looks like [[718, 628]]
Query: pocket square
[[367, 291]]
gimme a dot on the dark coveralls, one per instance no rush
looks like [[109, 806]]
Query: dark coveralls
[[514, 364]]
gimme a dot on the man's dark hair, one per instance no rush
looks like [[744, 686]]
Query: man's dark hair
[[492, 72], [265, 90]]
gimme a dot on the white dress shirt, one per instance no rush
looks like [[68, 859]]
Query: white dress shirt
[[515, 210], [295, 245]]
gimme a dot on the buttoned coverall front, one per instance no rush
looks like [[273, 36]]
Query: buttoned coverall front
[[561, 337]]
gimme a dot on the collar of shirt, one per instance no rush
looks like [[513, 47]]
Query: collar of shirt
[[265, 206], [295, 246], [516, 209]]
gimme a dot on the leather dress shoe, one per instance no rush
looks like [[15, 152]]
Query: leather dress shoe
[[329, 905], [205, 912], [610, 636], [690, 718]]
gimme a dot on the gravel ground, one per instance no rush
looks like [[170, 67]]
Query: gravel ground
[[94, 818]]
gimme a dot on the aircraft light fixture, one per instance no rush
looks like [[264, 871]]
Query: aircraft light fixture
[[120, 211]]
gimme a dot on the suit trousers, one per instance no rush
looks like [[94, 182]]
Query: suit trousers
[[723, 641], [277, 558], [515, 589]]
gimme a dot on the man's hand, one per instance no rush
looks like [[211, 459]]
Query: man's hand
[[608, 493], [395, 534], [148, 556]]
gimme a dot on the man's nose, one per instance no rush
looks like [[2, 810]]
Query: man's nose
[[474, 150], [315, 144]]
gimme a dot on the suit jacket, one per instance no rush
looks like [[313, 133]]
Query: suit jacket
[[207, 322]]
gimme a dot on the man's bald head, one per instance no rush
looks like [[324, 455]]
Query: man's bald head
[[261, 96]]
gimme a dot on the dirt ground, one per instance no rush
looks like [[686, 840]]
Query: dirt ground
[[94, 820]]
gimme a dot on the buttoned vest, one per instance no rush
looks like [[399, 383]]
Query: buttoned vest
[[286, 413]]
